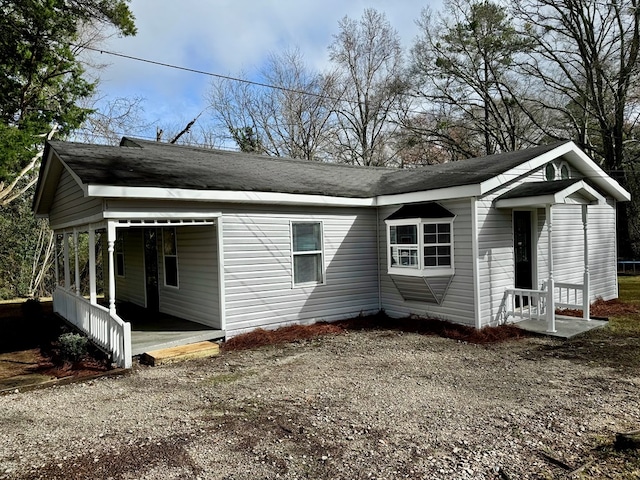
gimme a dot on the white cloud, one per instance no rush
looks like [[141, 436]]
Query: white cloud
[[225, 37]]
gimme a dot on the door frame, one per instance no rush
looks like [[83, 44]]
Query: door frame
[[533, 242]]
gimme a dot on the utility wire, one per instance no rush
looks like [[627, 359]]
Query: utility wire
[[210, 74]]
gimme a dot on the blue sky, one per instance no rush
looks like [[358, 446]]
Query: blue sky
[[225, 37]]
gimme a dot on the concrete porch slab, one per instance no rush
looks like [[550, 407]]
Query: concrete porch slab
[[566, 327]]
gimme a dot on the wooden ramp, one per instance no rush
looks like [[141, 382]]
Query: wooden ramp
[[179, 353]]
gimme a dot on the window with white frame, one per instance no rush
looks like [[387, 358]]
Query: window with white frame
[[170, 255], [306, 248], [119, 253], [420, 246], [557, 171]]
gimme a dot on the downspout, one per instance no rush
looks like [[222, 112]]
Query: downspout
[[476, 263]]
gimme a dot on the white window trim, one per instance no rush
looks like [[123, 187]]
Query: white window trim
[[164, 265], [557, 170], [310, 252], [421, 271]]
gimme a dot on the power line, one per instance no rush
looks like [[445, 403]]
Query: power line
[[210, 74]]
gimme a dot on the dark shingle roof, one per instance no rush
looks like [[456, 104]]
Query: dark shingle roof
[[139, 163], [536, 189]]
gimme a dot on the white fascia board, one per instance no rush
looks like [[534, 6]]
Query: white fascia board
[[526, 202], [157, 193], [528, 166], [168, 215], [76, 178], [44, 174], [587, 166], [449, 193], [598, 176], [581, 188]]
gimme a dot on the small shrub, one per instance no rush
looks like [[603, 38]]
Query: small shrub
[[73, 346]]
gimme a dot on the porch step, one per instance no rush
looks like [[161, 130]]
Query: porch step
[[182, 352]]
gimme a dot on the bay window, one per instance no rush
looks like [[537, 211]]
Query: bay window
[[420, 246]]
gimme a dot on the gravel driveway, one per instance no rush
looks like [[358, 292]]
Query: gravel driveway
[[363, 405]]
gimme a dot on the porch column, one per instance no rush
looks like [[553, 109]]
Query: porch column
[[111, 241], [77, 266], [551, 304], [586, 284], [67, 273], [92, 266]]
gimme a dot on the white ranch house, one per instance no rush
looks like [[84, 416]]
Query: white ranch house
[[232, 241]]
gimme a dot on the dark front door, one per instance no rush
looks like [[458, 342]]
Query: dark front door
[[151, 268], [522, 249]]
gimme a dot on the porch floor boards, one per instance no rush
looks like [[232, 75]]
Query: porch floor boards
[[156, 331], [566, 327]]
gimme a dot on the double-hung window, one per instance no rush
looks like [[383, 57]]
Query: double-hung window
[[420, 246], [306, 243], [170, 255]]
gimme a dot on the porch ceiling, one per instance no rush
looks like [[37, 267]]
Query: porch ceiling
[[541, 194]]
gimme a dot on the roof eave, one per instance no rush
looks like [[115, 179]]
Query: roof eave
[[232, 196]]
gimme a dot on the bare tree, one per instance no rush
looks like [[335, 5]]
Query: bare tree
[[464, 65], [586, 59], [291, 118], [368, 62]]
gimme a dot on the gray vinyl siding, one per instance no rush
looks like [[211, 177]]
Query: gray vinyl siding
[[458, 304], [70, 204], [495, 257], [496, 254], [258, 267], [196, 298], [568, 248], [131, 287]]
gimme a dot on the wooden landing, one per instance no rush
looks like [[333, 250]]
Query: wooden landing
[[182, 352]]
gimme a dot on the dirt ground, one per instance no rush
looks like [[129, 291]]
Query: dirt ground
[[28, 349], [379, 403]]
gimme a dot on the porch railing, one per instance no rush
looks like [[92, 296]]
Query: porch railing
[[572, 296], [525, 304], [107, 331]]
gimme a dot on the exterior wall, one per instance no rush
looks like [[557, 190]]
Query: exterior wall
[[259, 274], [69, 203], [458, 303], [131, 287], [568, 248], [496, 253], [196, 298]]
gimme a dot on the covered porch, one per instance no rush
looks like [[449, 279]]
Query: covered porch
[[91, 261], [533, 304]]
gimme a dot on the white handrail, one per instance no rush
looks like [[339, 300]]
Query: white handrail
[[531, 304], [107, 331]]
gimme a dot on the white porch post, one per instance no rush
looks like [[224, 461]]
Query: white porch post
[[92, 266], [77, 266], [551, 305], [67, 273], [111, 241], [586, 285]]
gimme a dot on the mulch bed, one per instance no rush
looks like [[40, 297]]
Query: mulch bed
[[603, 309], [412, 324]]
